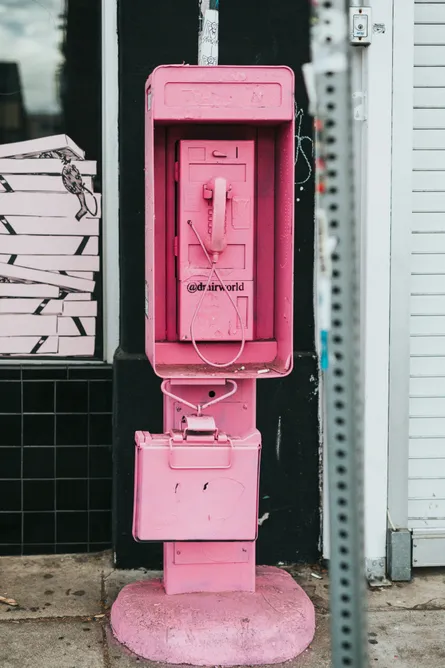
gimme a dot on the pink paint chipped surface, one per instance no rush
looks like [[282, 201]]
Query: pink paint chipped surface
[[271, 625]]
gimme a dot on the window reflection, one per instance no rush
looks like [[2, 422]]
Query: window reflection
[[50, 264], [50, 71]]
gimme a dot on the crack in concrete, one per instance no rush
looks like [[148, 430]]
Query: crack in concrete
[[420, 607], [55, 618], [105, 649], [103, 598]]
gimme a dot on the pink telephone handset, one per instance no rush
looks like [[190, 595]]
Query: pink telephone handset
[[217, 190], [213, 246]]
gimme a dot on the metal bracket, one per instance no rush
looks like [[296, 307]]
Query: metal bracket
[[399, 554], [360, 106], [199, 407], [202, 426]]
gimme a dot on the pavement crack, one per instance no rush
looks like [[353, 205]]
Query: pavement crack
[[105, 649], [431, 605], [420, 607], [48, 620], [103, 594]]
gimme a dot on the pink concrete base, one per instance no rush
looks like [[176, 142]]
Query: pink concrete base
[[272, 625]]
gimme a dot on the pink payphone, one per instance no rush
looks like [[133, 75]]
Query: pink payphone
[[215, 214], [219, 166]]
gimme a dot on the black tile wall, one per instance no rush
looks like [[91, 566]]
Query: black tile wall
[[38, 429], [100, 494], [72, 429], [10, 550], [101, 397], [72, 396], [100, 463], [10, 527], [55, 459], [100, 429], [11, 495], [11, 431], [38, 495], [100, 525], [10, 373], [67, 548], [39, 527], [38, 397], [72, 494], [10, 398], [72, 527], [10, 463], [38, 463], [72, 463]]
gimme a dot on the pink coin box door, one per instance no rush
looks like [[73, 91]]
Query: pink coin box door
[[203, 485], [219, 202]]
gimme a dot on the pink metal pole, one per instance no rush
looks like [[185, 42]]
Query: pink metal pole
[[215, 566]]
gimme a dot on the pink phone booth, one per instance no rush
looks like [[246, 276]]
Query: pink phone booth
[[219, 163], [233, 125]]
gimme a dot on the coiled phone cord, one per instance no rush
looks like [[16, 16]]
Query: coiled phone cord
[[214, 271]]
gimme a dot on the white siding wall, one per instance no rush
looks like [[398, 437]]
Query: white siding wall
[[376, 193], [426, 487]]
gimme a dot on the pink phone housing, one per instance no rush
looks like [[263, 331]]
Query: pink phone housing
[[202, 110]]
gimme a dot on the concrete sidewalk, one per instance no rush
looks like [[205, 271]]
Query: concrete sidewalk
[[61, 620]]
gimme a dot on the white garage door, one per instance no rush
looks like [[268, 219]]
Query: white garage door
[[426, 507]]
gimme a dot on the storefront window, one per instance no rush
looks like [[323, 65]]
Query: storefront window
[[50, 179]]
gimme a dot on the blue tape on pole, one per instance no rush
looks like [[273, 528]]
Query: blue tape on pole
[[324, 356]]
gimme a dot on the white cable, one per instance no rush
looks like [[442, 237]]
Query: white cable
[[390, 521], [214, 271]]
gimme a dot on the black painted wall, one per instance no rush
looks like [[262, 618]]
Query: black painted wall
[[273, 33], [150, 34]]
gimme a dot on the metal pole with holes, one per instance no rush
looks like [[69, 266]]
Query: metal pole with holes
[[338, 291]]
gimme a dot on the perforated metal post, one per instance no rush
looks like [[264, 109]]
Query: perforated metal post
[[340, 340]]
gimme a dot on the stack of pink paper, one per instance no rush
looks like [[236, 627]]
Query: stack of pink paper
[[49, 249]]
